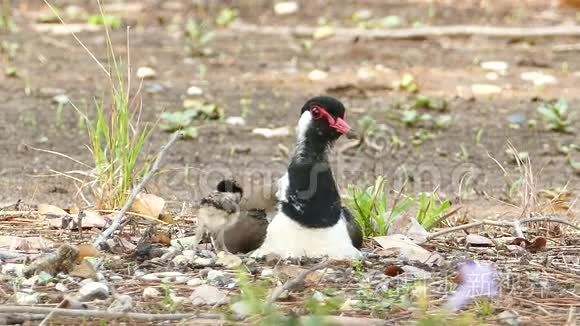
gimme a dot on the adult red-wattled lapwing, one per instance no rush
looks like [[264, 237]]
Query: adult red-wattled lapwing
[[311, 220]]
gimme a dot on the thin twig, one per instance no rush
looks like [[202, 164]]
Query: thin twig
[[136, 191], [100, 313], [290, 284], [511, 224], [50, 314], [415, 33]]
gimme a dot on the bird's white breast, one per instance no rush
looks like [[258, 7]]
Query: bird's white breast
[[287, 238]]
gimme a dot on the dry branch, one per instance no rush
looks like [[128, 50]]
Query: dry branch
[[44, 311], [516, 225], [416, 33], [290, 284], [136, 191]]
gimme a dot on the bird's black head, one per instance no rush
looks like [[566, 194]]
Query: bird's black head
[[323, 118], [228, 185]]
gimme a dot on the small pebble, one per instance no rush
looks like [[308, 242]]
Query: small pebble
[[190, 254], [229, 261], [151, 292], [208, 295], [60, 99], [203, 261], [217, 277], [146, 73], [241, 310], [27, 298], [317, 75], [93, 290], [285, 8], [13, 269], [235, 121], [60, 287], [318, 296], [195, 282], [181, 260], [122, 303], [194, 91], [266, 272]]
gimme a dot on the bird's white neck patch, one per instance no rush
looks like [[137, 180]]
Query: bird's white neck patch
[[303, 125]]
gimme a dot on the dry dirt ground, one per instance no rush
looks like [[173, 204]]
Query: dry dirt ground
[[270, 72]]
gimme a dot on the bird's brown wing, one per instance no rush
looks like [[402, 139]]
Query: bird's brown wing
[[352, 227], [226, 201], [247, 233]]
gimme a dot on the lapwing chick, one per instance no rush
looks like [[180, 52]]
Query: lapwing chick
[[218, 211], [310, 220]]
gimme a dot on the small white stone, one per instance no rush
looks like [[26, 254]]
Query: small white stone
[[317, 75], [497, 66], [318, 296], [485, 89], [241, 310], [203, 261], [93, 290], [160, 275], [115, 278], [181, 260], [60, 287], [146, 73], [214, 275], [151, 292], [492, 75], [285, 8], [229, 261], [27, 298], [208, 295], [323, 32], [194, 91], [122, 303], [538, 78], [266, 272], [236, 121], [13, 269], [60, 99], [177, 300], [190, 254], [349, 304], [195, 282], [29, 282]]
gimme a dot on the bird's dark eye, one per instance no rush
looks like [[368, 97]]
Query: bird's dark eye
[[316, 113]]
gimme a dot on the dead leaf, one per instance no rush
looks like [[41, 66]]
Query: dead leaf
[[87, 250], [167, 218], [148, 205], [409, 226], [407, 249], [476, 240], [161, 237], [538, 244], [92, 219], [25, 244], [286, 272], [84, 270], [47, 209], [393, 270]]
